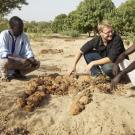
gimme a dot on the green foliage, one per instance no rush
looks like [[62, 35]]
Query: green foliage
[[3, 24], [6, 6], [91, 12], [58, 23], [84, 19], [127, 14], [71, 22], [130, 37], [38, 27], [71, 33], [123, 19]]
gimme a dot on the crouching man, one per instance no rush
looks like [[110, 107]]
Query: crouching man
[[101, 52], [16, 56]]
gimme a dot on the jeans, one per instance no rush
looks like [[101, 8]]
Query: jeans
[[99, 69]]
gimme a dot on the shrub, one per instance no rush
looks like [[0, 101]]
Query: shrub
[[71, 33]]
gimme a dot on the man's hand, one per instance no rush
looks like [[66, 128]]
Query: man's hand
[[34, 62], [72, 70], [115, 81], [89, 66], [115, 69]]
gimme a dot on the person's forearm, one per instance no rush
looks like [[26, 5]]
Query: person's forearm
[[31, 59], [15, 58], [123, 55], [130, 50], [77, 58], [101, 61], [129, 68]]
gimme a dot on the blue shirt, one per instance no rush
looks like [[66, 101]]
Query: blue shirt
[[19, 47]]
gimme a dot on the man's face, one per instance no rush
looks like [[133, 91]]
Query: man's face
[[17, 30], [106, 33]]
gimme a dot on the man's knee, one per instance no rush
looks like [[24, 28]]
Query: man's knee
[[91, 56], [107, 69]]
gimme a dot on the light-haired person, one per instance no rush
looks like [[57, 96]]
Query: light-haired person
[[15, 52], [101, 52]]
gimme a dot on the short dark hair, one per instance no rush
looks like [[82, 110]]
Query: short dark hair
[[15, 20]]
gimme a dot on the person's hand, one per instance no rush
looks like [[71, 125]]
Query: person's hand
[[115, 81], [72, 70], [89, 66], [34, 62], [115, 69]]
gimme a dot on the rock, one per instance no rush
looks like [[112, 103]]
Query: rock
[[84, 100], [20, 102], [28, 108], [76, 108]]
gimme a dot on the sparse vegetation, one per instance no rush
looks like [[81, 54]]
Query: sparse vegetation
[[82, 20]]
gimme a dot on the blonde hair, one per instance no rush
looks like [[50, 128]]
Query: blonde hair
[[104, 24]]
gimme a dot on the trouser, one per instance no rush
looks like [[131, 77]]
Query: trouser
[[99, 69], [131, 74], [7, 65]]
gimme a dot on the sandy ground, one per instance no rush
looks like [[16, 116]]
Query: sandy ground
[[106, 114]]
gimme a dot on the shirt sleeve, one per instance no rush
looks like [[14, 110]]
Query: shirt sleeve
[[26, 50], [116, 49], [88, 46], [4, 50]]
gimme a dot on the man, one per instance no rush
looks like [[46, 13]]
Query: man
[[16, 55], [101, 52], [127, 67]]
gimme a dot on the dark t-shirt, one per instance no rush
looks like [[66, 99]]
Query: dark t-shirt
[[112, 50]]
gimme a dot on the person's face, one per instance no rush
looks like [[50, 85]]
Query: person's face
[[17, 30], [106, 33]]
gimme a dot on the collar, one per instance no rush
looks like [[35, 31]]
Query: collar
[[11, 33], [100, 41]]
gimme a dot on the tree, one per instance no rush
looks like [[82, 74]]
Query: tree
[[58, 23], [126, 13], [6, 6], [71, 21], [91, 12], [124, 18]]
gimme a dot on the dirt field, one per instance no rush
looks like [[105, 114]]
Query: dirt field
[[107, 112]]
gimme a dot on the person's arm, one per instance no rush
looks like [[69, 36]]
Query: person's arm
[[130, 50], [101, 61], [121, 57], [98, 62], [18, 59], [125, 54], [77, 58], [86, 48], [4, 45], [128, 69], [116, 80], [34, 62], [26, 50]]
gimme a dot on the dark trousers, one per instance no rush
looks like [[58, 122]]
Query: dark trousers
[[99, 69]]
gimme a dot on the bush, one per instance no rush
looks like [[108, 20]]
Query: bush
[[130, 37], [71, 33]]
